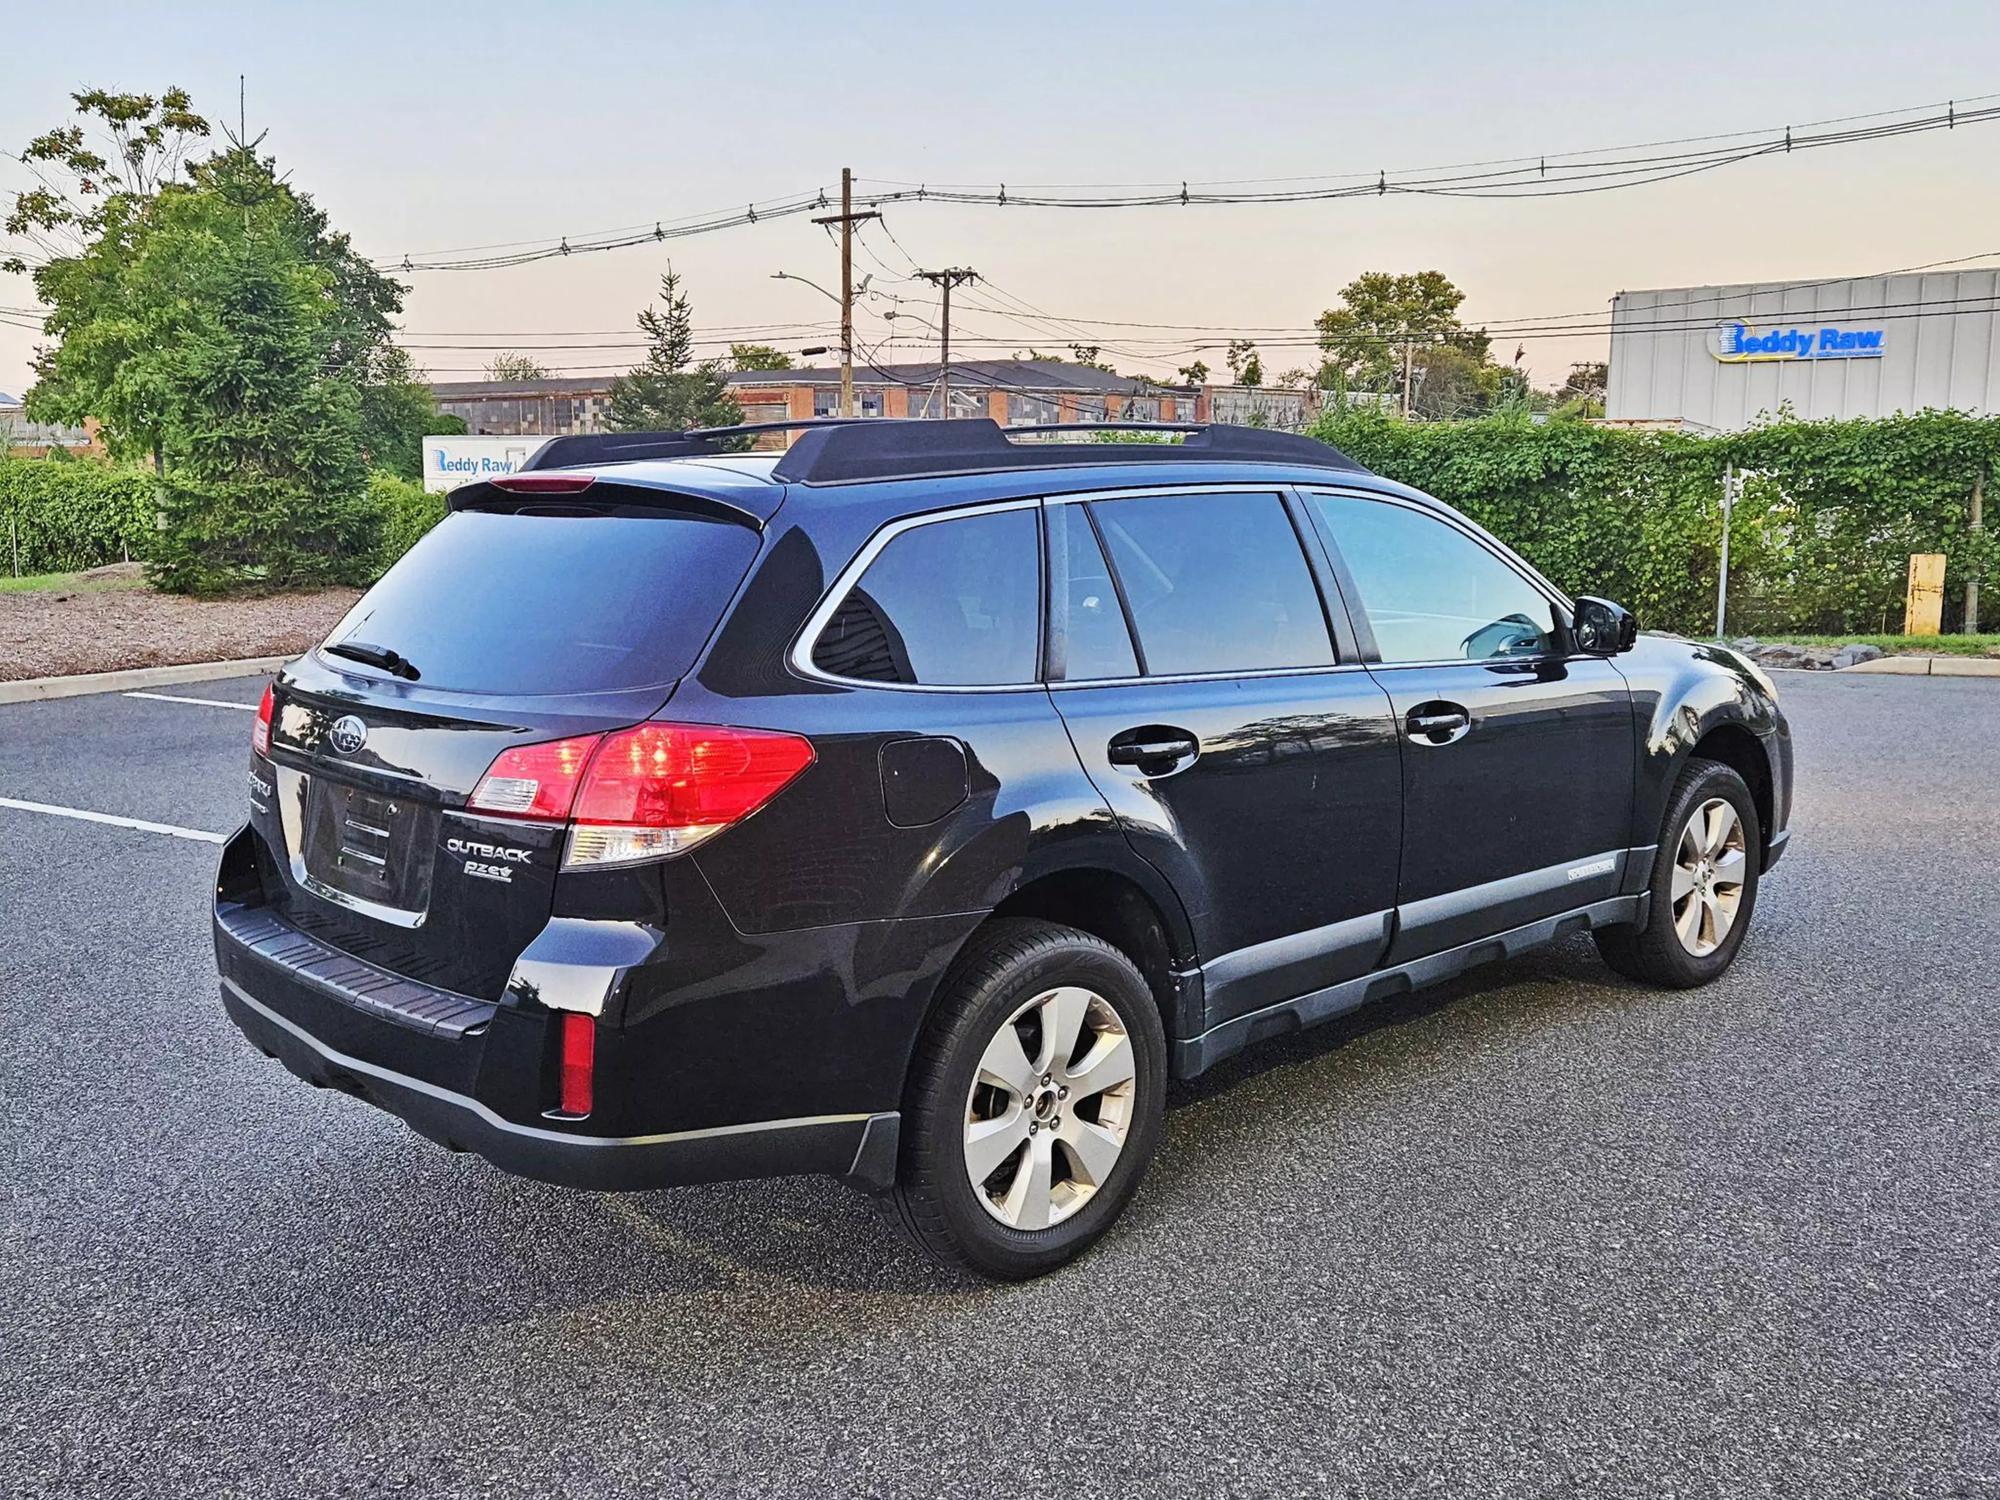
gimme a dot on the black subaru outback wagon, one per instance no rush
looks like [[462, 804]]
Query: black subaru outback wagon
[[912, 806]]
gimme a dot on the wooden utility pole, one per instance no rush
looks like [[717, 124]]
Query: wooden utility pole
[[846, 219], [945, 280]]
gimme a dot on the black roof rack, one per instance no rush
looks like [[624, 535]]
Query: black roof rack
[[850, 450], [626, 447]]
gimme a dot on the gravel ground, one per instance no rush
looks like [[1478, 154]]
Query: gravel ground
[[1537, 1233], [54, 634]]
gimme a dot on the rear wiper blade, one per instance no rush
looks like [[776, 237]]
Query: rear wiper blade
[[375, 656]]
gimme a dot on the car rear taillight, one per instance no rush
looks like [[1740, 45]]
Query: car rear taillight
[[577, 1071], [660, 789], [534, 781], [260, 732], [644, 792]]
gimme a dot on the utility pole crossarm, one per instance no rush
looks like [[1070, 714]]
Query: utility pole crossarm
[[847, 218], [945, 280]]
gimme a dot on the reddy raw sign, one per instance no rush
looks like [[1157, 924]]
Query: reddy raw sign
[[1740, 344]]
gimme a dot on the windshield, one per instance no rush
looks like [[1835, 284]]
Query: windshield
[[500, 602]]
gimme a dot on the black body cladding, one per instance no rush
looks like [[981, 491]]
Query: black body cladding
[[1205, 759]]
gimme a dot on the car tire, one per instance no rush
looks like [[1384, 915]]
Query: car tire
[[1703, 886], [1066, 1126]]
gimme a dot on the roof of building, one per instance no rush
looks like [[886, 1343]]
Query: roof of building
[[1027, 375], [1003, 374]]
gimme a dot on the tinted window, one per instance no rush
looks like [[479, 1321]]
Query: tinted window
[[950, 603], [1432, 593], [1215, 583], [1085, 609], [490, 602]]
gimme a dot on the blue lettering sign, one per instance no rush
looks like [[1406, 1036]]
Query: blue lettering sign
[[1735, 343]]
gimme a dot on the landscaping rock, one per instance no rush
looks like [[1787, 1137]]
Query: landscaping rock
[[1854, 653]]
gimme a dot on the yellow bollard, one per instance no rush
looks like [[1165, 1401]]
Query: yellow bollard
[[1923, 610]]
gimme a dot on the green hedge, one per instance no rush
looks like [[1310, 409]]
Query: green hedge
[[1821, 541], [408, 511], [60, 516], [69, 515]]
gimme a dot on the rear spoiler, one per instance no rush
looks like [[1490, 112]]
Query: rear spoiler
[[595, 492]]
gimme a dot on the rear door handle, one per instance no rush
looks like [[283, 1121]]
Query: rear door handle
[[1154, 749], [1438, 723]]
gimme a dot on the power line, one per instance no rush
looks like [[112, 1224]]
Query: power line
[[1602, 169]]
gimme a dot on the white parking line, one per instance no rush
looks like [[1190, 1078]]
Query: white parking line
[[200, 835], [248, 708]]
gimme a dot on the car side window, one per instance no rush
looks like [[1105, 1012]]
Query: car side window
[[953, 603], [1215, 583], [1084, 611], [1431, 592]]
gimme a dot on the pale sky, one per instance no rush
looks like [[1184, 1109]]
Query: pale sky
[[423, 127]]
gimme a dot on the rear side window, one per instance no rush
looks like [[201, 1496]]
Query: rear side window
[[498, 602], [1084, 612], [952, 603], [1215, 583]]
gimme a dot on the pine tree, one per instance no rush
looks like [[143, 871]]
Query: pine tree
[[671, 392], [265, 483]]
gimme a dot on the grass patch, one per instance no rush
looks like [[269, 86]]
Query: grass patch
[[65, 583], [1898, 645]]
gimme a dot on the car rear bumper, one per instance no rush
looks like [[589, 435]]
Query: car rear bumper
[[860, 1147], [304, 1005]]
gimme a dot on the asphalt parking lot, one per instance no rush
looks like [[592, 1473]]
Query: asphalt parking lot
[[1536, 1233]]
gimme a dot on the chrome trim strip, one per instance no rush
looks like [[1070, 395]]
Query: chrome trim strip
[[292, 787], [529, 1132]]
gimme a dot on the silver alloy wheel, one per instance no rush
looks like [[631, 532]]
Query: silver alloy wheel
[[1048, 1112], [1709, 867]]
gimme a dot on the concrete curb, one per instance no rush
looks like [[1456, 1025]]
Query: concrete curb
[[1930, 666], [34, 689]]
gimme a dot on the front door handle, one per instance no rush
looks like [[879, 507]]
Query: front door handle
[[1437, 723], [1154, 749]]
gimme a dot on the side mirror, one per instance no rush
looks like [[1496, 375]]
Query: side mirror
[[1602, 628]]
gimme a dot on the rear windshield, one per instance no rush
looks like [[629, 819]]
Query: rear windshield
[[500, 602]]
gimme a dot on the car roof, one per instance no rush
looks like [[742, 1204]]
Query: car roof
[[745, 482]]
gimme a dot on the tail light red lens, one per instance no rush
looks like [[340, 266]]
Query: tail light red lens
[[534, 781], [644, 792], [659, 789], [578, 1071], [260, 732], [544, 484]]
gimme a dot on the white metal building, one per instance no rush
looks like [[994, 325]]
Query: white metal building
[[1716, 358]]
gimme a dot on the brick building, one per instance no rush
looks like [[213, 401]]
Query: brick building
[[1013, 392]]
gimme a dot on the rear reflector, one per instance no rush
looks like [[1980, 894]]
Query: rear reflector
[[534, 781], [644, 792], [579, 1063], [260, 732], [543, 484]]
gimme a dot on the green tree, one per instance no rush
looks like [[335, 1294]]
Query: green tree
[[1246, 365], [758, 357], [1583, 391], [240, 314], [670, 391], [1448, 382], [222, 327], [1380, 315], [509, 366], [1194, 374], [120, 148], [398, 412]]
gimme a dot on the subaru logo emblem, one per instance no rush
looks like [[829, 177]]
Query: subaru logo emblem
[[348, 734]]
